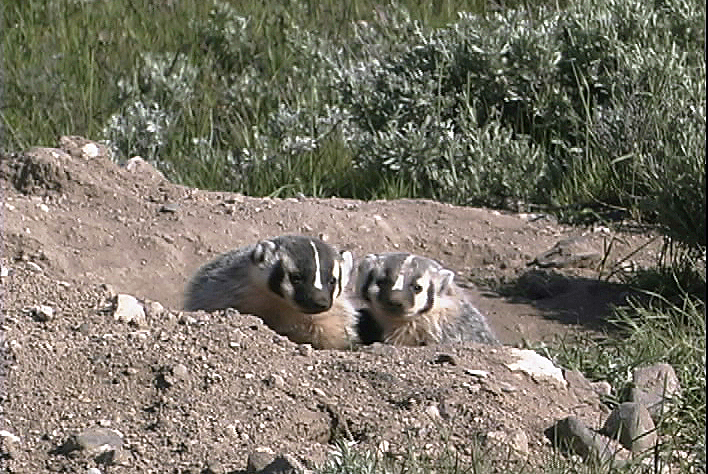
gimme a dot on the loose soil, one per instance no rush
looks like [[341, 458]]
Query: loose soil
[[199, 392]]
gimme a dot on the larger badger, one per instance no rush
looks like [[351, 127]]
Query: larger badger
[[294, 283]]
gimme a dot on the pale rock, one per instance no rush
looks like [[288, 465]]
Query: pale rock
[[535, 365], [129, 310], [631, 424], [654, 386]]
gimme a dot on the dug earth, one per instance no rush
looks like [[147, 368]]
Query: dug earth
[[89, 387]]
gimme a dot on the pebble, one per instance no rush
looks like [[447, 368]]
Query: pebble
[[180, 371], [43, 313]]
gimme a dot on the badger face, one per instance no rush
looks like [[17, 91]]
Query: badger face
[[401, 285], [304, 271]]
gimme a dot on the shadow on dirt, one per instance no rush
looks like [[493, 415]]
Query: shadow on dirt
[[587, 302]]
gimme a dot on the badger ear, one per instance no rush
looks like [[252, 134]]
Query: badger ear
[[446, 279], [346, 266], [264, 251]]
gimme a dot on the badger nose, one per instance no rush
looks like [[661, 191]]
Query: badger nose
[[319, 302], [397, 298]]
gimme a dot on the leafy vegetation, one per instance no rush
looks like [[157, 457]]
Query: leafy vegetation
[[577, 109]]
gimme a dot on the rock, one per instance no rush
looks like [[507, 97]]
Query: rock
[[8, 444], [583, 389], [169, 207], [446, 359], [275, 380], [214, 466], [631, 424], [104, 444], [153, 309], [180, 371], [479, 373], [258, 460], [517, 440], [571, 434], [653, 386], [572, 252], [535, 365], [139, 166], [81, 147], [285, 464], [602, 388], [129, 310], [43, 313], [93, 470]]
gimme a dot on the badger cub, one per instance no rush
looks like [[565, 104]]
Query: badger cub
[[412, 300], [292, 282]]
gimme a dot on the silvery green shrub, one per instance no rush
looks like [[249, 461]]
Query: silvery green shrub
[[152, 99]]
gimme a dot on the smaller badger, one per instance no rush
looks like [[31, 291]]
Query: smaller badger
[[410, 300], [294, 283]]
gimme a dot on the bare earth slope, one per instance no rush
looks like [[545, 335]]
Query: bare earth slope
[[196, 391]]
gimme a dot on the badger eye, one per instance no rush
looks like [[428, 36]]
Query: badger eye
[[416, 287], [333, 280], [295, 278]]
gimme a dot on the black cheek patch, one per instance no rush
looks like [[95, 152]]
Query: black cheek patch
[[276, 278], [367, 284], [431, 298]]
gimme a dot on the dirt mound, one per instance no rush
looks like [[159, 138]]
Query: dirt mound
[[191, 390]]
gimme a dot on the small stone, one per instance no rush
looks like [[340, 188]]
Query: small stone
[[93, 470], [446, 359], [130, 311], [34, 267], [180, 371], [104, 444], [90, 150], [319, 392], [186, 319], [169, 207], [4, 271], [517, 440], [631, 424], [477, 373], [433, 412], [602, 388], [43, 313], [153, 309], [214, 466], [275, 380], [305, 350], [8, 444]]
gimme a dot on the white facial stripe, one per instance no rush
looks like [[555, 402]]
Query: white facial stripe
[[318, 274], [400, 281], [421, 299]]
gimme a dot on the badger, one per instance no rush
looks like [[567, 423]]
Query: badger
[[412, 300], [294, 283]]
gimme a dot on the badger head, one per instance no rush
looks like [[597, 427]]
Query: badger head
[[304, 271], [401, 285]]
